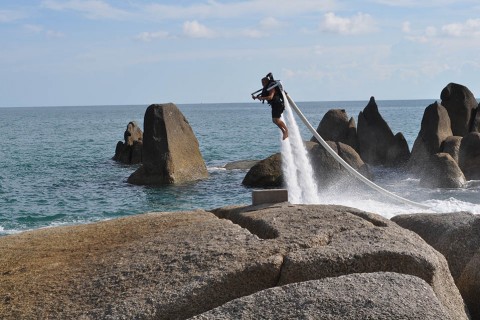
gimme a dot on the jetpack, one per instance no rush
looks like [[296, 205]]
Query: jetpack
[[272, 83]]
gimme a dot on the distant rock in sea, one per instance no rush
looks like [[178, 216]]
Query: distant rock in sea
[[337, 127], [460, 104], [130, 151], [377, 143], [171, 152]]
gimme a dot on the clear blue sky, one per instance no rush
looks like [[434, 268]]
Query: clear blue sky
[[95, 52]]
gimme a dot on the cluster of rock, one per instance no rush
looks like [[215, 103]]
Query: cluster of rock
[[445, 154], [169, 153], [130, 150], [273, 262]]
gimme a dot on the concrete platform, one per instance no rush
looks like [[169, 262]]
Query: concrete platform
[[269, 196]]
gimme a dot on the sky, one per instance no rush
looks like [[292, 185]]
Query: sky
[[105, 52]]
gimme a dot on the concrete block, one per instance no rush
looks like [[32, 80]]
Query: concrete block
[[269, 196]]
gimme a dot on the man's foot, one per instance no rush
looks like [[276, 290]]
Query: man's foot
[[285, 135]]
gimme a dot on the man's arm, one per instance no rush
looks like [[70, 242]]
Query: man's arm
[[271, 93]]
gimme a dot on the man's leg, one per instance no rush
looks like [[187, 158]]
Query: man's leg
[[282, 127]]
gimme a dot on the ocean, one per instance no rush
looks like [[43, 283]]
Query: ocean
[[56, 166]]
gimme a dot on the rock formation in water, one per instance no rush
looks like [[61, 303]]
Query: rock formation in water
[[268, 172], [461, 106], [130, 151], [335, 126], [376, 142], [435, 129], [469, 156], [442, 171], [171, 152]]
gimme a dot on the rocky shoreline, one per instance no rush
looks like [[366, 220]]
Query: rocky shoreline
[[271, 261], [278, 261]]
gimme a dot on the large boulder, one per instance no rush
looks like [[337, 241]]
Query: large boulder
[[335, 126], [181, 264], [469, 156], [151, 266], [435, 129], [461, 105], [376, 141], [442, 172], [266, 173], [327, 170], [350, 156], [130, 151], [379, 295], [170, 149], [330, 241], [457, 237]]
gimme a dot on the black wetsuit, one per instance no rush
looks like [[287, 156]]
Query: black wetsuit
[[276, 103]]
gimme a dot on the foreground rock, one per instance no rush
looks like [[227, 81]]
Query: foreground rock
[[331, 241], [469, 285], [170, 149], [457, 237], [380, 295], [130, 151], [178, 265], [153, 266]]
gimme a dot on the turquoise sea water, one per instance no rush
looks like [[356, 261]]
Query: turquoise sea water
[[56, 165]]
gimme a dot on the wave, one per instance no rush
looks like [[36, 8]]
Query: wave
[[453, 205], [213, 169]]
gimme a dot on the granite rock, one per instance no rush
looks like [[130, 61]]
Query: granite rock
[[457, 237], [379, 295], [171, 152]]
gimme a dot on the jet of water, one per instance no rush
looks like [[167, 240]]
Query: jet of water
[[296, 167]]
